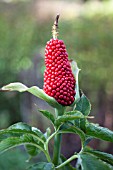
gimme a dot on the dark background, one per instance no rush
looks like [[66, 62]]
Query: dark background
[[87, 30]]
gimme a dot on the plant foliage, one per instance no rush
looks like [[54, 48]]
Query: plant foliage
[[68, 122]]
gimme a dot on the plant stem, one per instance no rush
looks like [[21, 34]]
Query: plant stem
[[47, 142], [39, 147], [57, 148], [67, 161], [47, 156], [57, 140]]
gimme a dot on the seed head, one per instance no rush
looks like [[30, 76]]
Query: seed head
[[59, 81]]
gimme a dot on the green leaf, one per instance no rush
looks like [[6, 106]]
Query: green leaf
[[99, 132], [29, 135], [78, 122], [102, 155], [73, 129], [38, 133], [74, 112], [22, 130], [83, 105], [16, 141], [88, 139], [20, 125], [19, 132], [24, 126], [42, 166], [90, 162], [15, 87], [81, 123], [48, 115], [36, 91], [32, 150], [67, 117], [75, 71], [47, 133]]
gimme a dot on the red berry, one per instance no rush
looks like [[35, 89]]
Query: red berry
[[59, 81]]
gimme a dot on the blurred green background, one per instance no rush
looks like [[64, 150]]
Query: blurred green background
[[87, 30]]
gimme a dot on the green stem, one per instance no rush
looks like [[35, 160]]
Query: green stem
[[47, 142], [67, 161], [45, 152], [47, 156], [57, 140], [57, 148]]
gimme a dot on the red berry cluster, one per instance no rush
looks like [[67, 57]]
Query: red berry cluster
[[59, 81]]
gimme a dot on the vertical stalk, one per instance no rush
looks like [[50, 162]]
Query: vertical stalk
[[57, 148], [59, 111], [57, 140]]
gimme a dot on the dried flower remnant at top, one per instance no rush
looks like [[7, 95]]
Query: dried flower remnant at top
[[59, 81]]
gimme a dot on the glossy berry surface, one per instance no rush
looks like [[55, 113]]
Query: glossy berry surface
[[59, 81]]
